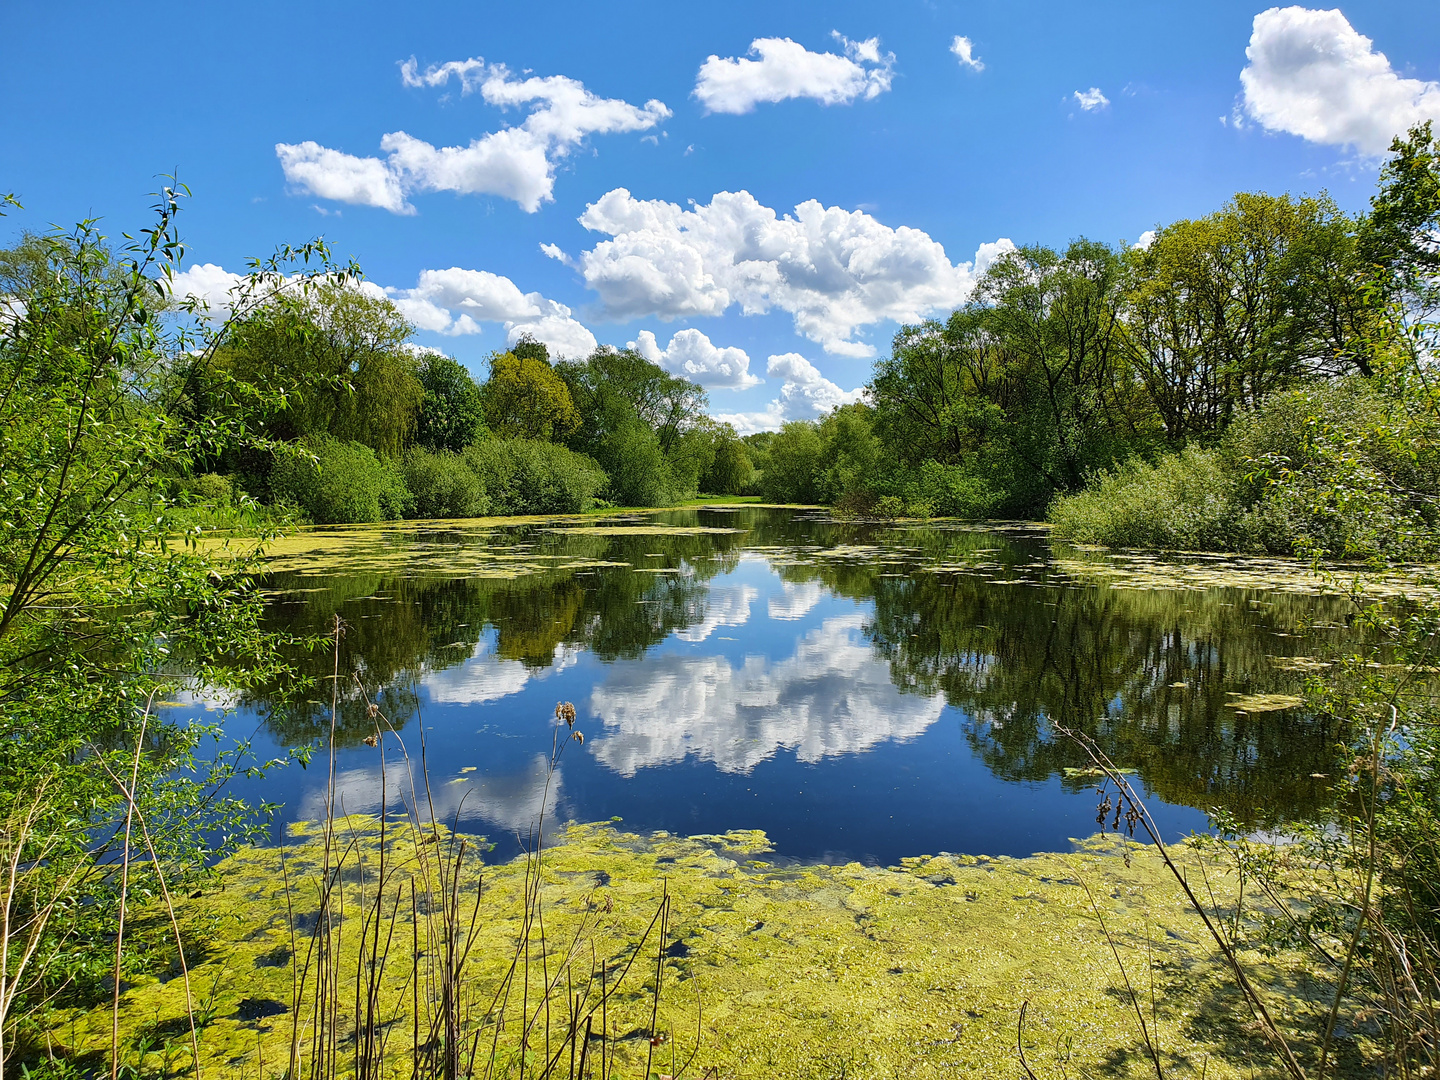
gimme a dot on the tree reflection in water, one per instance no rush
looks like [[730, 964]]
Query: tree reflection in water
[[981, 620]]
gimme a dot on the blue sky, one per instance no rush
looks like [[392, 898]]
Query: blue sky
[[554, 168]]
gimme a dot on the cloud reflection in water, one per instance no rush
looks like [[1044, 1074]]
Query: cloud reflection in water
[[726, 605], [510, 802], [831, 697], [486, 677]]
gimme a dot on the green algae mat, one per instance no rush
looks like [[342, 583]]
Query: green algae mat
[[768, 970]]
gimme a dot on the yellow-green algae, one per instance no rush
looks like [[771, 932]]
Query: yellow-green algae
[[802, 970], [643, 530], [467, 547], [1191, 570]]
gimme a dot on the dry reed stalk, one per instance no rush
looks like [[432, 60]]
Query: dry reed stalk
[[1133, 809], [524, 1013]]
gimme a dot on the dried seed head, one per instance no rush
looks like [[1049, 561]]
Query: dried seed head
[[372, 711], [372, 740], [579, 737], [565, 711]]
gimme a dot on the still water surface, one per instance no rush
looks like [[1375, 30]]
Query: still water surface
[[857, 691]]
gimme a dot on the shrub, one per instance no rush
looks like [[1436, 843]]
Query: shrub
[[526, 476], [442, 485], [636, 465], [344, 483], [1185, 500], [206, 488], [1343, 470], [952, 491]]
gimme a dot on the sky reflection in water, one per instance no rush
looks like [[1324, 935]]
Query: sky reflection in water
[[856, 691]]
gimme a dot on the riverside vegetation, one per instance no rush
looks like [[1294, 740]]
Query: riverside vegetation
[[1258, 379]]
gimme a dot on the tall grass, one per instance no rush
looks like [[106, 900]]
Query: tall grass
[[384, 974]]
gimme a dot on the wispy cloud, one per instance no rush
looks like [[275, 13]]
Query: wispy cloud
[[964, 50]]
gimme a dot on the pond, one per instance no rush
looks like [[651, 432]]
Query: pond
[[858, 691]]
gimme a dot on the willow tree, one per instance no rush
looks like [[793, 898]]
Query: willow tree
[[337, 362], [107, 606]]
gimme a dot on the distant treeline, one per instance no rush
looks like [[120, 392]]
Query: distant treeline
[[365, 427], [1194, 392], [1176, 394]]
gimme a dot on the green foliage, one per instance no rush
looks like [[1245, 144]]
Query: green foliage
[[639, 474], [1345, 470], [849, 461], [795, 457], [525, 399], [951, 491], [442, 485], [1228, 309], [109, 607], [334, 362], [337, 482], [730, 471], [526, 347], [1399, 234], [644, 426], [451, 413], [528, 476], [1184, 501]]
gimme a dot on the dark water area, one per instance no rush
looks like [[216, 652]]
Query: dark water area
[[858, 691]]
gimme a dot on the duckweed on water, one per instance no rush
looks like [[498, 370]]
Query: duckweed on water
[[799, 970], [1198, 571]]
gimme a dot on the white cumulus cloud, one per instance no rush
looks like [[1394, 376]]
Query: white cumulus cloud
[[692, 355], [1091, 99], [964, 50], [987, 253], [1311, 74], [452, 302], [332, 174], [805, 395], [208, 282], [783, 69], [515, 162], [456, 301], [833, 270]]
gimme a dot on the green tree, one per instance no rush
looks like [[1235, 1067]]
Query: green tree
[[1070, 405], [1398, 235], [643, 425], [795, 460], [451, 414], [612, 382], [1253, 299], [730, 471], [525, 399], [107, 607], [526, 347], [850, 454], [335, 361]]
